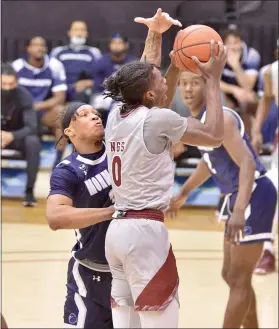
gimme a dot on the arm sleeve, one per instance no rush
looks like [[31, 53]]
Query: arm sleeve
[[30, 119], [63, 181], [58, 76], [162, 126]]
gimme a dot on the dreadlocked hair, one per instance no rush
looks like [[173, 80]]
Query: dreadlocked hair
[[59, 125], [129, 84]]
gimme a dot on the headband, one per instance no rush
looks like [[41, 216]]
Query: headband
[[71, 110]]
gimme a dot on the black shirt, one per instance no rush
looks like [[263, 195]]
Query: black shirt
[[17, 113]]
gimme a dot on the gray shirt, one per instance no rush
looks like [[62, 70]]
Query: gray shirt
[[161, 126]]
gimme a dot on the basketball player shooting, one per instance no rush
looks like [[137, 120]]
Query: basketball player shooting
[[251, 201], [80, 199], [139, 135]]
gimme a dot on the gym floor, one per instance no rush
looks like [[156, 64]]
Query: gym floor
[[34, 265]]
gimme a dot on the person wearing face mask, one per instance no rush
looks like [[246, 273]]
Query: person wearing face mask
[[78, 60], [19, 126]]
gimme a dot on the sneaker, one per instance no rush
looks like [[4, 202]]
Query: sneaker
[[29, 200], [266, 264]]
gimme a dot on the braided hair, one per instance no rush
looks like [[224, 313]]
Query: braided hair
[[129, 84]]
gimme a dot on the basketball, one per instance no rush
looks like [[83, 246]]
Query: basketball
[[194, 41]]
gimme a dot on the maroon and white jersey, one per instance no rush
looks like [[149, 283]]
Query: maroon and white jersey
[[139, 156]]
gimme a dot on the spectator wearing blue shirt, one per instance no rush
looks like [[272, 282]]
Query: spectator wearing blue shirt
[[78, 60], [45, 80], [238, 81]]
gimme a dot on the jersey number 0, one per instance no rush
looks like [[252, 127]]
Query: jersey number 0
[[116, 170]]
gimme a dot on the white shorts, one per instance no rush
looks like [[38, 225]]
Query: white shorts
[[142, 264]]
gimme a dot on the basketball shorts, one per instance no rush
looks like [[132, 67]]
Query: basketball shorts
[[259, 213], [88, 298], [142, 264]]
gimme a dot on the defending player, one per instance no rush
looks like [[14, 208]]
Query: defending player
[[251, 200], [79, 199], [139, 135], [270, 91]]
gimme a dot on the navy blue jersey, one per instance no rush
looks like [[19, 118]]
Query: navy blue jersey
[[224, 170], [41, 82], [105, 67], [250, 62], [78, 63], [85, 180]]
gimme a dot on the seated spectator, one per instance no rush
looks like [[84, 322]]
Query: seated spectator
[[45, 79], [19, 126], [78, 60], [110, 62], [238, 80]]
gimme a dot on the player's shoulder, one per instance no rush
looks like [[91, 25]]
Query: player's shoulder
[[18, 64], [57, 51], [94, 51], [55, 63], [67, 166]]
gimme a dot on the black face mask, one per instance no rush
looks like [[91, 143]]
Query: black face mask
[[7, 96], [118, 53]]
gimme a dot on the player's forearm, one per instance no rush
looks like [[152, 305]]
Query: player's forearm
[[261, 114], [198, 177], [246, 180], [172, 78], [152, 50], [243, 78], [214, 123], [67, 217]]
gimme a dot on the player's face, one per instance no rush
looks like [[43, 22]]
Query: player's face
[[87, 124], [191, 89], [78, 30], [157, 93], [117, 46], [37, 48], [233, 44]]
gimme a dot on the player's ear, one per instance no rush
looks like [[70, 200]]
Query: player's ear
[[150, 96], [69, 132]]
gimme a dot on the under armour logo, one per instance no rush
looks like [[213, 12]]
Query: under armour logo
[[98, 278]]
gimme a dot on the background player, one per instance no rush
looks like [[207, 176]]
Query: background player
[[79, 199], [139, 135], [270, 92], [251, 200]]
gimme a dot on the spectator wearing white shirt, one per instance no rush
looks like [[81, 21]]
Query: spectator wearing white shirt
[[45, 80]]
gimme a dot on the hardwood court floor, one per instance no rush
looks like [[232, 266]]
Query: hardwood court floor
[[34, 264]]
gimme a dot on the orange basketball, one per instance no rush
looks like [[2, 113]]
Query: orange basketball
[[194, 41]]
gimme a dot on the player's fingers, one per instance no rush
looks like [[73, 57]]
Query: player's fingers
[[159, 12], [224, 54], [220, 50], [141, 20], [237, 237], [212, 49]]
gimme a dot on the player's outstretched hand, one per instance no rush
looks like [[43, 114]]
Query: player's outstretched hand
[[236, 226], [257, 142], [215, 66], [160, 22]]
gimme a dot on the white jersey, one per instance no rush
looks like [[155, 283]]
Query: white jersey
[[274, 77], [140, 179]]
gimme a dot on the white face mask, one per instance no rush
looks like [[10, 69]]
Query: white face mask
[[76, 41]]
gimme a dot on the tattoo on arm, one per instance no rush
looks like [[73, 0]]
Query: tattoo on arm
[[152, 50]]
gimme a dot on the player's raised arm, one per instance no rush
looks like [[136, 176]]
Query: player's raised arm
[[212, 131], [172, 78], [157, 25]]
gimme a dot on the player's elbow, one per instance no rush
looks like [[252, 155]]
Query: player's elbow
[[215, 141], [53, 223], [249, 163]]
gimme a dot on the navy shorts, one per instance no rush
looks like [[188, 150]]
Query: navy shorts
[[88, 298], [259, 214]]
